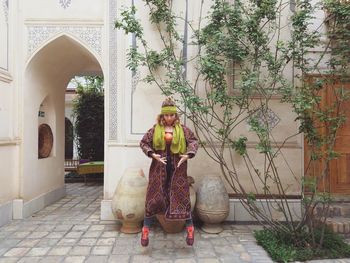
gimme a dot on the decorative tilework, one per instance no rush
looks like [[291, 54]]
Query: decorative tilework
[[112, 71], [269, 117], [90, 35], [65, 3]]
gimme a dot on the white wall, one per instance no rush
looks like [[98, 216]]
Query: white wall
[[9, 134], [9, 171], [69, 106], [69, 115], [121, 156], [77, 10], [42, 175]]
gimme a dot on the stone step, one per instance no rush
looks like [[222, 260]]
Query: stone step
[[336, 210], [340, 225]]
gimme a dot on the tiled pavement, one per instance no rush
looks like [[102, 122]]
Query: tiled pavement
[[70, 231]]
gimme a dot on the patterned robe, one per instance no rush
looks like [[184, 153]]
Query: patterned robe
[[169, 198]]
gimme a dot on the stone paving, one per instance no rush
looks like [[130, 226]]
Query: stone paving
[[70, 230]]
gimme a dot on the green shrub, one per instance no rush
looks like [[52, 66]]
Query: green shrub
[[89, 119], [282, 248]]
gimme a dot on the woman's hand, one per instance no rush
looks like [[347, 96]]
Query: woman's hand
[[183, 159], [158, 158]]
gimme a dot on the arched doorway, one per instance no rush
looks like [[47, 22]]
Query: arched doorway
[[46, 77]]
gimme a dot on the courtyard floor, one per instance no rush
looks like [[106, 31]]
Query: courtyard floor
[[70, 230]]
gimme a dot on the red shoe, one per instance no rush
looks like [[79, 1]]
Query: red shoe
[[190, 235], [144, 236]]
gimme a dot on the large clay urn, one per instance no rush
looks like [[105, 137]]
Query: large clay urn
[[176, 226], [128, 204], [212, 205]]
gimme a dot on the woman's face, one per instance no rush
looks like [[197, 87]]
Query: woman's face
[[169, 118]]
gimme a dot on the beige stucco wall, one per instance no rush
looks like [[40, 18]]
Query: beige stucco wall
[[69, 106], [77, 10], [9, 162], [9, 137], [69, 114], [42, 175], [6, 109], [120, 157], [9, 170]]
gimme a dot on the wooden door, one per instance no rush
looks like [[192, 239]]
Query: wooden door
[[338, 181], [340, 167]]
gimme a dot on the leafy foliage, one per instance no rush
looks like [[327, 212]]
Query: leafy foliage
[[281, 247], [246, 41], [89, 118], [68, 139]]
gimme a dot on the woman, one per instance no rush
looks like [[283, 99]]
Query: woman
[[170, 145]]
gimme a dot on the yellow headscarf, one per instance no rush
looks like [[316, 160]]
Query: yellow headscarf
[[178, 144]]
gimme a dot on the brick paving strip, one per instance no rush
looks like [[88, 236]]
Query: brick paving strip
[[70, 230]]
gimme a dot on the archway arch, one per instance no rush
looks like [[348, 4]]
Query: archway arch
[[46, 75], [70, 36]]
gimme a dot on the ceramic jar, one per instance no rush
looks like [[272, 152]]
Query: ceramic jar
[[128, 203], [212, 205], [176, 226]]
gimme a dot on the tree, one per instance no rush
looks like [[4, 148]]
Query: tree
[[247, 36], [68, 139], [89, 118]]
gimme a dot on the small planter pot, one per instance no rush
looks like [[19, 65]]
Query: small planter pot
[[176, 226], [170, 226]]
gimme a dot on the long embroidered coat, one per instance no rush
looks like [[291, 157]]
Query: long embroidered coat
[[169, 198]]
